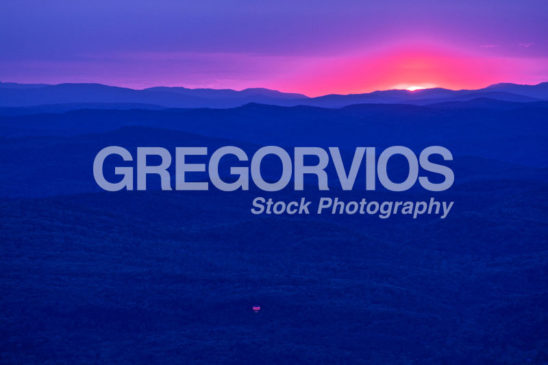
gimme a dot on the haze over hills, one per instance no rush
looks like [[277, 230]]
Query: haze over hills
[[505, 131], [96, 96]]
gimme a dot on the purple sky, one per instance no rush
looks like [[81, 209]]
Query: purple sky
[[313, 47]]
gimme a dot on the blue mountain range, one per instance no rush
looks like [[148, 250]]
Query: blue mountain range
[[98, 96]]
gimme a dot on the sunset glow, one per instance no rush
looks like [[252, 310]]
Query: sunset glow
[[412, 68], [347, 49], [415, 87]]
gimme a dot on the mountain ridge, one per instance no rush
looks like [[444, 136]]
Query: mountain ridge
[[31, 95]]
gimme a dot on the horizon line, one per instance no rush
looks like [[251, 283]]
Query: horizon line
[[411, 89]]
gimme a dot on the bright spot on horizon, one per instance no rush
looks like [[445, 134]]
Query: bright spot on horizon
[[413, 87]]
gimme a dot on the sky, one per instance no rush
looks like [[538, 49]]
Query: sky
[[311, 47]]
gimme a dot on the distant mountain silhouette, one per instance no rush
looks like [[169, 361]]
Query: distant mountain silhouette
[[13, 95], [420, 97], [539, 91], [97, 96]]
